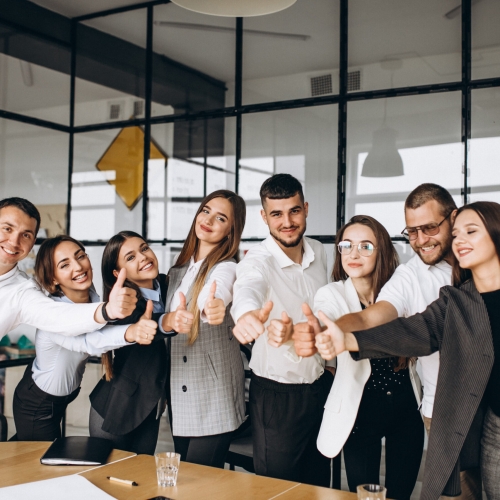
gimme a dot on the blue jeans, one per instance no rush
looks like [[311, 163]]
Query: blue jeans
[[490, 455]]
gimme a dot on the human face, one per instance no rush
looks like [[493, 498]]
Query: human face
[[431, 249], [139, 261], [214, 222], [472, 245], [17, 237], [72, 268], [354, 264], [286, 219]]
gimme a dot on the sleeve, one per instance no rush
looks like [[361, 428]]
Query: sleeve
[[330, 302], [418, 335], [40, 311], [250, 288], [398, 290], [94, 343], [224, 275]]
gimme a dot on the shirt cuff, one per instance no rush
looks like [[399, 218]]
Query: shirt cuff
[[160, 325]]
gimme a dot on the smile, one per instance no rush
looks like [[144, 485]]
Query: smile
[[80, 277], [9, 252], [428, 249], [147, 267], [205, 228], [464, 251]]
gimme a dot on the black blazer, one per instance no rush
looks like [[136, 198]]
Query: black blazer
[[456, 324], [141, 375]]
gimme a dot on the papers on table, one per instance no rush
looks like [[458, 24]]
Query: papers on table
[[55, 489]]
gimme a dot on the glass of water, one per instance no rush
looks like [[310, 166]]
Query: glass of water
[[371, 492], [167, 468]]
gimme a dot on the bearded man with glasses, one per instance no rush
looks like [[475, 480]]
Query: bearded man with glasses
[[429, 213]]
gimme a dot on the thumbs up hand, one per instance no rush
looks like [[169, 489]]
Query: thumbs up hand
[[250, 326], [214, 309], [181, 320], [144, 330], [331, 342], [122, 300], [280, 331], [304, 334]]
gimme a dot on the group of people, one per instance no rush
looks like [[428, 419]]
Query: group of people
[[173, 341]]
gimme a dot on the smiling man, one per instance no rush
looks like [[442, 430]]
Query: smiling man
[[287, 393], [22, 301]]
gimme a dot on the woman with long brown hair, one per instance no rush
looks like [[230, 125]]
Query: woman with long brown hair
[[207, 375], [374, 398]]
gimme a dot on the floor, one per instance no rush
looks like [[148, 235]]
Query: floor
[[165, 443]]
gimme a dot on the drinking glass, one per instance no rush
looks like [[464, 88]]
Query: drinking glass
[[167, 468], [371, 492]]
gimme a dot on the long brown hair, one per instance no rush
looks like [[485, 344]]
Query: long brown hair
[[226, 249], [386, 263], [489, 213], [44, 264], [108, 265]]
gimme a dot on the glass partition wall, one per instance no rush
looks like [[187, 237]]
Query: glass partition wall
[[126, 118]]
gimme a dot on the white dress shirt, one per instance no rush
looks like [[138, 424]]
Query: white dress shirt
[[223, 274], [60, 360], [267, 273], [22, 302], [410, 290]]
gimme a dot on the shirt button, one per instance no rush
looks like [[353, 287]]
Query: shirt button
[[184, 388], [184, 359], [389, 393]]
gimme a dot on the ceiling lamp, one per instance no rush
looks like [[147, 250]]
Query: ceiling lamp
[[235, 8], [384, 159]]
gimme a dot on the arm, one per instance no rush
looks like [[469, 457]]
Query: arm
[[375, 315]]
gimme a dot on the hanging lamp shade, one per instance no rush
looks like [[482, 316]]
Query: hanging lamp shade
[[235, 8], [384, 159]]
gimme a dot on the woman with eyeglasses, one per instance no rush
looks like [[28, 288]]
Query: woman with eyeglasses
[[371, 399]]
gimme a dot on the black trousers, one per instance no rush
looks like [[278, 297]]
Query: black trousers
[[395, 417], [204, 450], [142, 440], [37, 414], [285, 423]]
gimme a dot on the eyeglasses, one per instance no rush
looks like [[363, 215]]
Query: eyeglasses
[[411, 233], [365, 248]]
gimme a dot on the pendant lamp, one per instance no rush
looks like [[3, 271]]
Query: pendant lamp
[[384, 159], [235, 8]]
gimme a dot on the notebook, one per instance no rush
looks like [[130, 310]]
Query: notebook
[[77, 450]]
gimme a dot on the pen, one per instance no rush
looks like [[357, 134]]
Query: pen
[[122, 481]]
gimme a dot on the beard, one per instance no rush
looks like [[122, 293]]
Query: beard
[[444, 251], [289, 243]]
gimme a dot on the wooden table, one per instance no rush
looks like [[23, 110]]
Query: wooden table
[[20, 463]]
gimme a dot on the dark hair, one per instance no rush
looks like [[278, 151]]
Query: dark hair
[[427, 192], [489, 213], [226, 249], [108, 265], [25, 206], [387, 257], [44, 264], [279, 187]]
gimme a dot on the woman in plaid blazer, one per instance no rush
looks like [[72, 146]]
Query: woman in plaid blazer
[[207, 374], [464, 326]]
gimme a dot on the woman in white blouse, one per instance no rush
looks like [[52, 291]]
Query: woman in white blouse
[[369, 399], [207, 375], [53, 380]]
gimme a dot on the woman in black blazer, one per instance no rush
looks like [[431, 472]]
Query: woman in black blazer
[[127, 403], [464, 326]]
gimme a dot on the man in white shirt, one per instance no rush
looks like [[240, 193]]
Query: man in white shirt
[[429, 213], [287, 393], [22, 301]]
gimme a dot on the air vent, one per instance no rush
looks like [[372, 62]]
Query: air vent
[[354, 81], [138, 109], [321, 85], [115, 110]]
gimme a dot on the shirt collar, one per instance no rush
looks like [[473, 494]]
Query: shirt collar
[[93, 296], [10, 274], [154, 295], [442, 264], [283, 259]]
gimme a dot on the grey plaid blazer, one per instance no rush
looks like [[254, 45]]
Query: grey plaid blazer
[[207, 378], [456, 324]]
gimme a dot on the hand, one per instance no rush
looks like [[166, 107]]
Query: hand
[[250, 326], [304, 334], [280, 331], [331, 342], [181, 320], [122, 300], [144, 331], [214, 309]]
